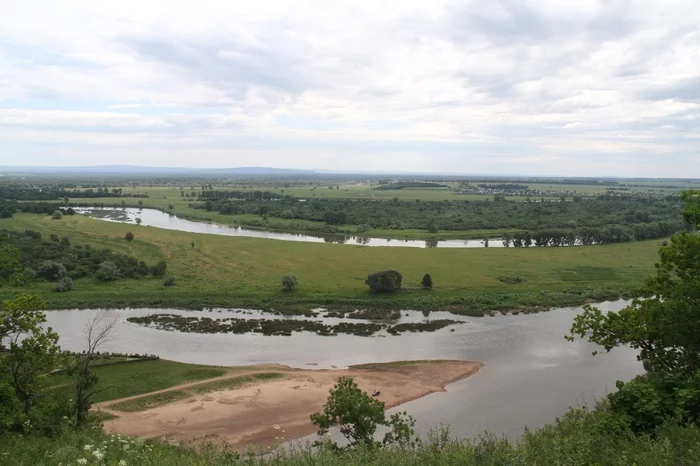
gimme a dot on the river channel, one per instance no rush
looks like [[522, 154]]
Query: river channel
[[156, 218], [531, 374]]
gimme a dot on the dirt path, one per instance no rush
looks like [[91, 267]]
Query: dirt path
[[272, 412], [104, 406]]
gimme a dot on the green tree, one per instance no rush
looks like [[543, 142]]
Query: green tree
[[57, 215], [158, 270], [387, 281], [9, 262], [664, 326], [129, 236], [358, 415], [427, 281], [30, 350], [289, 282], [138, 220], [108, 271]]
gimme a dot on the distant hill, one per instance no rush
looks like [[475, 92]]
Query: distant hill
[[142, 170]]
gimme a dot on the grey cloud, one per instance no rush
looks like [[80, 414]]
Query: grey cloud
[[687, 91], [225, 64]]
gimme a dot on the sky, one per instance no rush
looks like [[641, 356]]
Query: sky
[[547, 87]]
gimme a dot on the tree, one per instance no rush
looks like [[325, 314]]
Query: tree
[[57, 215], [158, 270], [9, 262], [387, 281], [30, 350], [62, 285], [664, 326], [108, 271], [289, 282], [138, 220], [51, 270], [129, 236], [427, 281], [358, 415], [98, 330]]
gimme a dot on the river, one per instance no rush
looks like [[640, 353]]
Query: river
[[156, 218], [531, 374]]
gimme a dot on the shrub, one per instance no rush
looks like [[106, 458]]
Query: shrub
[[51, 270], [108, 271], [158, 270], [289, 282], [427, 281], [510, 280], [57, 215], [387, 281], [63, 285], [129, 236], [170, 281]]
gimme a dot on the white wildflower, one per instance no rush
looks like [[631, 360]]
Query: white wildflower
[[122, 462], [87, 448], [98, 454], [82, 461], [126, 447]]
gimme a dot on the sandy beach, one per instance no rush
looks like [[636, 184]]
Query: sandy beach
[[268, 413]]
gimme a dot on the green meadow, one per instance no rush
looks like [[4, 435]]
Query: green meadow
[[215, 270]]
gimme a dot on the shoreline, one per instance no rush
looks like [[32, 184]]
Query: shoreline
[[268, 413]]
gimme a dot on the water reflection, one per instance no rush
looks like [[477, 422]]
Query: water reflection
[[169, 221], [532, 373]]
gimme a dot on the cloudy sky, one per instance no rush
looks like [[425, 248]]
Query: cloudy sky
[[546, 87]]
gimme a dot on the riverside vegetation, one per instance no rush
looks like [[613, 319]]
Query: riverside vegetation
[[650, 420], [214, 271]]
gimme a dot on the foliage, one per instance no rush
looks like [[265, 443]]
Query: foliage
[[129, 236], [387, 281], [158, 270], [56, 258], [358, 415], [31, 350], [290, 282], [57, 215], [663, 326], [427, 281], [108, 271], [9, 261], [169, 281], [62, 285]]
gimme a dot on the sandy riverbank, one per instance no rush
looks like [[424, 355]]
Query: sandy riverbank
[[250, 415]]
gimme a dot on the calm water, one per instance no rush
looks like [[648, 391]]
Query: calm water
[[531, 376], [156, 218]]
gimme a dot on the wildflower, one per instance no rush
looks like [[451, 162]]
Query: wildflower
[[82, 461], [122, 462], [98, 454], [87, 448], [126, 447]]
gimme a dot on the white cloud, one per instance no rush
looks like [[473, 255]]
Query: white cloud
[[503, 86]]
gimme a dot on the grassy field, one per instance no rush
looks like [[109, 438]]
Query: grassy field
[[228, 271], [131, 378], [151, 401]]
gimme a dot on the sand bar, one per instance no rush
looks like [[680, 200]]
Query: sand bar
[[268, 413]]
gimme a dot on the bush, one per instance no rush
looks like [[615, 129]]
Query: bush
[[158, 270], [108, 271], [289, 282], [510, 280], [427, 281], [170, 281], [57, 215], [63, 285], [51, 270], [387, 281], [129, 236]]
